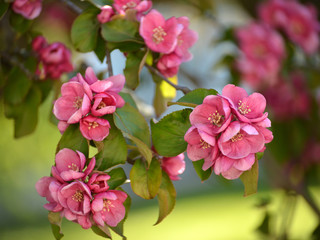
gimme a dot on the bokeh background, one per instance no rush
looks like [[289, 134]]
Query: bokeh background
[[215, 209]]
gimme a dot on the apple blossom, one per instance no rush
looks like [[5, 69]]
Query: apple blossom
[[173, 166], [93, 128], [169, 64], [139, 6], [105, 14], [29, 9], [98, 182]]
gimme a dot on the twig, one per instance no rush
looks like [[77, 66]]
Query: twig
[[185, 90], [182, 104], [75, 8], [109, 62]]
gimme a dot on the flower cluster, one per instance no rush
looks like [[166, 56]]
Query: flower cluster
[[299, 22], [86, 100], [54, 59], [173, 166], [80, 194], [228, 130], [172, 38], [29, 9]]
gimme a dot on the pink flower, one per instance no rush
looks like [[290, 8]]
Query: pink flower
[[62, 126], [232, 168], [75, 197], [107, 207], [98, 182], [274, 12], [73, 104], [38, 43], [199, 149], [239, 140], [159, 34], [211, 117], [186, 39], [247, 109], [69, 165], [140, 6], [173, 166], [169, 64], [104, 103], [48, 187], [105, 15], [93, 128], [30, 9]]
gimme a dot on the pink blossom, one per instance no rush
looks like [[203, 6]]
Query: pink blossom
[[173, 166], [139, 6], [70, 165], [159, 34], [232, 168], [107, 207], [62, 126], [93, 128], [211, 117], [48, 187], [104, 103], [105, 14], [38, 43], [169, 64], [274, 12], [30, 9], [200, 149], [98, 182], [239, 140], [248, 109], [73, 104], [186, 39]]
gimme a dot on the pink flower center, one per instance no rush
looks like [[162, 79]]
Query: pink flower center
[[180, 41], [158, 35], [216, 119], [78, 196], [259, 51], [73, 167], [101, 105], [77, 102], [297, 28], [130, 5], [204, 144], [93, 125], [107, 204], [237, 137], [243, 108]]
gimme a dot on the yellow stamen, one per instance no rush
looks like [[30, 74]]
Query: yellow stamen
[[158, 34], [243, 108]]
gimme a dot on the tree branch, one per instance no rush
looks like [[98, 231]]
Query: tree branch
[[109, 62], [185, 90], [75, 8]]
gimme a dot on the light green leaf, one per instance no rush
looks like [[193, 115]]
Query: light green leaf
[[118, 177], [203, 175], [128, 99], [250, 180], [55, 219], [196, 96], [102, 231], [120, 30]]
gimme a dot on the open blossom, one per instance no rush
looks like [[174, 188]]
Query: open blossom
[[70, 165], [139, 6], [98, 182], [173, 166], [298, 21], [105, 14], [159, 34], [107, 207], [93, 128], [30, 9]]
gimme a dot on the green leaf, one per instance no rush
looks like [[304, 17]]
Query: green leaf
[[17, 87], [100, 3], [19, 23], [196, 96], [100, 49], [73, 139], [159, 101], [45, 87], [145, 182], [129, 99], [134, 63], [101, 231], [55, 219], [250, 179], [125, 46], [129, 120], [264, 227], [26, 120], [168, 133], [166, 197], [120, 30], [84, 32], [114, 151], [3, 8], [118, 177], [203, 175]]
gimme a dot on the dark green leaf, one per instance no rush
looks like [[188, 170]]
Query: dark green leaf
[[134, 64], [114, 151], [26, 120], [73, 139], [17, 87], [316, 233], [120, 30], [145, 182], [84, 32], [197, 96], [125, 46], [264, 227], [250, 179], [55, 219], [102, 231], [19, 23], [3, 8], [100, 49], [259, 155], [168, 133], [203, 175], [129, 120], [45, 87], [118, 177], [128, 98], [166, 197]]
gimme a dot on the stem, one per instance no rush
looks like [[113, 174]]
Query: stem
[[75, 8], [109, 63], [185, 90], [182, 104]]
